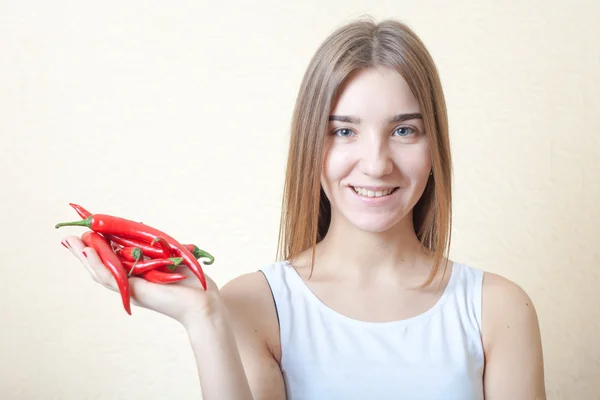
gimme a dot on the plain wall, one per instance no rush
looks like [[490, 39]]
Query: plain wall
[[177, 114]]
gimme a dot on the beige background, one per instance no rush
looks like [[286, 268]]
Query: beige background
[[177, 115]]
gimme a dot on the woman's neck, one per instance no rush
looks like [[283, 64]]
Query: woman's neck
[[353, 254]]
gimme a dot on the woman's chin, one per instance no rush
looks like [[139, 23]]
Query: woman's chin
[[374, 224]]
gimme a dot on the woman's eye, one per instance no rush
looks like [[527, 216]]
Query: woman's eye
[[343, 132], [405, 131]]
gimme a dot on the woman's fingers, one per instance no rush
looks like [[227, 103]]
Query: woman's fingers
[[104, 275], [76, 246], [90, 259], [92, 262]]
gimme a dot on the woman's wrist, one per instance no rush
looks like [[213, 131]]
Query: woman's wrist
[[211, 315]]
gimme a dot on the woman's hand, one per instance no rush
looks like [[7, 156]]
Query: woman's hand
[[184, 301]]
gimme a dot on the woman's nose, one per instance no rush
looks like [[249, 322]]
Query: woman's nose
[[375, 159]]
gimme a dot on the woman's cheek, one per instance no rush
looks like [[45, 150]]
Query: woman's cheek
[[415, 162], [337, 164]]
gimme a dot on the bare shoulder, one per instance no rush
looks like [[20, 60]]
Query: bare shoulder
[[250, 285], [511, 341], [505, 306], [251, 310], [250, 304], [497, 287], [505, 297], [249, 295]]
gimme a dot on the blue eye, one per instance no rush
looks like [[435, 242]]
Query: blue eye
[[404, 131], [343, 132]]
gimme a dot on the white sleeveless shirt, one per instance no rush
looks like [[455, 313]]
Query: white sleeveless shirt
[[437, 355]]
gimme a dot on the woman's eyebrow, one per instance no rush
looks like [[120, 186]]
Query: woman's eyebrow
[[345, 118], [355, 120], [406, 117]]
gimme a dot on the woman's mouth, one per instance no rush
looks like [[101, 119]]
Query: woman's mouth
[[364, 192]]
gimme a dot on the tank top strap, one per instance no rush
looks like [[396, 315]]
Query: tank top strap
[[467, 294], [281, 284]]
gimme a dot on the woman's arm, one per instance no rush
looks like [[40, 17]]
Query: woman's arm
[[513, 348], [233, 359], [228, 328]]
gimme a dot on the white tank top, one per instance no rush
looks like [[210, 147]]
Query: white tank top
[[437, 355]]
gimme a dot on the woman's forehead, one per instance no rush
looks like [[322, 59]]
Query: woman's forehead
[[375, 94]]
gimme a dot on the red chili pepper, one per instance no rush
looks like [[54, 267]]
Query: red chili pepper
[[147, 249], [198, 253], [83, 213], [147, 265], [112, 262], [111, 225], [162, 244], [156, 252], [162, 277], [130, 253]]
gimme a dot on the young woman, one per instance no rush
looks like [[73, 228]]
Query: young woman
[[364, 303]]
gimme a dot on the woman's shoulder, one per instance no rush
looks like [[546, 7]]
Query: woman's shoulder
[[507, 311], [502, 294], [250, 305], [496, 282], [248, 290], [496, 288]]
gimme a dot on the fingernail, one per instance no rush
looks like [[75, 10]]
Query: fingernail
[[85, 255], [63, 243]]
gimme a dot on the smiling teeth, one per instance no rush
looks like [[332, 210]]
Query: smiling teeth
[[370, 193]]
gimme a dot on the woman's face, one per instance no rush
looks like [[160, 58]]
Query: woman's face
[[377, 159]]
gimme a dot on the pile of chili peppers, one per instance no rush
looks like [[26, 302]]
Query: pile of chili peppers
[[128, 248]]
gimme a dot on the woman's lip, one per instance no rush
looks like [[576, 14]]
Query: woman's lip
[[374, 201], [374, 188]]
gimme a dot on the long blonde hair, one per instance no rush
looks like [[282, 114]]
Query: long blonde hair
[[306, 212]]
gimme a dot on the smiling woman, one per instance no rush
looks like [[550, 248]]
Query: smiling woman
[[383, 150], [364, 302], [387, 75]]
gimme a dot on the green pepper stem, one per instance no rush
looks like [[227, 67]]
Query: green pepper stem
[[132, 268], [198, 253], [137, 253], [84, 222], [176, 260]]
